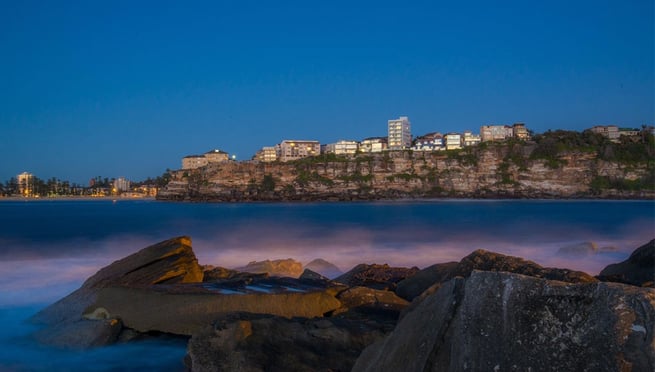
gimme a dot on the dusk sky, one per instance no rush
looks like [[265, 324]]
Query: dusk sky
[[117, 88]]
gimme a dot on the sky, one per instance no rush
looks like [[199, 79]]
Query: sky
[[128, 88]]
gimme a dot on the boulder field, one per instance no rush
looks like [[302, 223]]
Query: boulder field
[[486, 312]]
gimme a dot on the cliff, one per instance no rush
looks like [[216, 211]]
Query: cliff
[[491, 170]]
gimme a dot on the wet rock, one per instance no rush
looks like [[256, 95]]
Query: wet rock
[[502, 321], [168, 262], [485, 261], [324, 268], [376, 276], [212, 273], [251, 342], [288, 267], [638, 269], [82, 334]]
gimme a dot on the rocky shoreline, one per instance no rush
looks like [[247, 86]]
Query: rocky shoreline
[[486, 312]]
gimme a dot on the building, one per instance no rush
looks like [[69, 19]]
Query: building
[[25, 182], [496, 132], [629, 132], [429, 142], [470, 139], [373, 144], [267, 154], [520, 131], [216, 156], [342, 148], [121, 184], [294, 149], [453, 141], [194, 161], [609, 131], [400, 134]]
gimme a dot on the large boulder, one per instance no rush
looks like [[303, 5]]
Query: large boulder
[[255, 342], [287, 267], [485, 261], [376, 276], [638, 269], [168, 262], [325, 268], [502, 321]]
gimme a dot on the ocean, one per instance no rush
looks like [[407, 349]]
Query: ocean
[[50, 247]]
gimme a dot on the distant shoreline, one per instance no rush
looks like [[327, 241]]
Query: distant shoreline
[[73, 198]]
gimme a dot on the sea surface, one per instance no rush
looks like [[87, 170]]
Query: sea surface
[[48, 248]]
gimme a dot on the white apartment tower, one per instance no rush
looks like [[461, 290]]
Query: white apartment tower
[[400, 134]]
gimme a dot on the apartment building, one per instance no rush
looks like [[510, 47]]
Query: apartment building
[[342, 147], [429, 142], [520, 131], [216, 156], [496, 132], [453, 141], [373, 144], [194, 161], [470, 139], [25, 184], [399, 134], [297, 149], [609, 131], [267, 154]]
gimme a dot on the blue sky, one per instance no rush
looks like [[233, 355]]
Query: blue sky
[[128, 88]]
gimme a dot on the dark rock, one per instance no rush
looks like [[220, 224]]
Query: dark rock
[[288, 267], [308, 274], [249, 342], [582, 249], [376, 276], [502, 321], [324, 268], [638, 269], [168, 262], [212, 274], [81, 334], [485, 261], [370, 305]]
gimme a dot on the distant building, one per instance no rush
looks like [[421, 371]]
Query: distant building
[[342, 148], [194, 161], [373, 144], [294, 149], [429, 142], [121, 184], [496, 132], [400, 134], [629, 132], [453, 141], [25, 184], [609, 131], [470, 139], [520, 131], [267, 154], [216, 156]]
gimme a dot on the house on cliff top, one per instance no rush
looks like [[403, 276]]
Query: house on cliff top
[[197, 161]]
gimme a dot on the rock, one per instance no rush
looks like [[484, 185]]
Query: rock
[[638, 269], [502, 321], [324, 268], [376, 276], [251, 342], [370, 305], [168, 262], [81, 334], [308, 274], [288, 267], [582, 249], [212, 274], [185, 309], [486, 261]]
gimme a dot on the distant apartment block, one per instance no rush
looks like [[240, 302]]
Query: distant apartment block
[[453, 141], [121, 184], [373, 144], [609, 131], [342, 148], [197, 161], [470, 139], [629, 132], [267, 154], [25, 184], [294, 149], [400, 135], [520, 131], [496, 132], [429, 142]]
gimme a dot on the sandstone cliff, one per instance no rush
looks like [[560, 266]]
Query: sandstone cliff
[[491, 170]]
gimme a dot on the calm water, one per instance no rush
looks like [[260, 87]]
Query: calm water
[[50, 247]]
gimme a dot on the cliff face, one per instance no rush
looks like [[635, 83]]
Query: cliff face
[[497, 170]]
